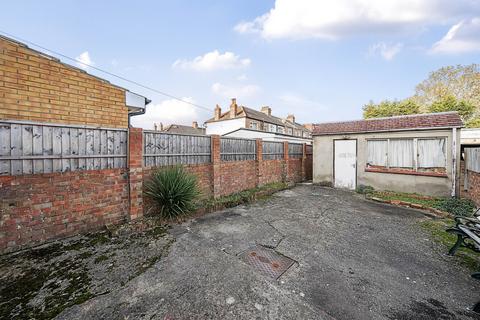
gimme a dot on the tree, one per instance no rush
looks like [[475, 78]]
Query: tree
[[461, 82], [390, 108], [465, 109], [473, 123]]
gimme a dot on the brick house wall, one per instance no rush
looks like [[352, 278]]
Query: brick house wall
[[36, 87]]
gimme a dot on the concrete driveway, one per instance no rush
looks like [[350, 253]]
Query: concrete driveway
[[353, 259]]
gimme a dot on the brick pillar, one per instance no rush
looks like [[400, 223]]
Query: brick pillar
[[285, 161], [135, 172], [258, 161], [304, 162], [216, 164]]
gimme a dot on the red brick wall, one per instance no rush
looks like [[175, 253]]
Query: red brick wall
[[473, 184], [236, 176], [36, 208], [309, 167], [271, 171], [294, 167]]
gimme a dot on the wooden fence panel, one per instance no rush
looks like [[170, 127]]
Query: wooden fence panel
[[272, 150], [164, 149], [235, 149], [295, 150], [472, 156], [31, 147]]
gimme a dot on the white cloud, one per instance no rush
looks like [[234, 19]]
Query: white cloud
[[462, 37], [386, 50], [213, 61], [84, 60], [330, 19], [242, 77], [228, 91], [167, 112]]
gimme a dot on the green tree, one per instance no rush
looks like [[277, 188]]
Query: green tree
[[465, 109], [473, 123], [461, 82], [390, 108]]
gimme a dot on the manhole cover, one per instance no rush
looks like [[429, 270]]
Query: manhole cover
[[266, 260]]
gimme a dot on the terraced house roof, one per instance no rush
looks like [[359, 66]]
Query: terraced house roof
[[399, 123]]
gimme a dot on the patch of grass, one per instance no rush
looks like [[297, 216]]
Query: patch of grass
[[243, 197], [436, 228], [454, 206]]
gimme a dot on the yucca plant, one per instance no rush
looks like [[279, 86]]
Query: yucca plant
[[173, 190]]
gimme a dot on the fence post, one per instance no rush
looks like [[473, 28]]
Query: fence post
[[135, 172], [285, 159], [258, 160], [216, 166]]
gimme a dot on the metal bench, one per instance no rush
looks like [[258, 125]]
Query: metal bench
[[467, 228]]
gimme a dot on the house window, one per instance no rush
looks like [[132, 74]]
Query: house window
[[289, 131], [253, 125], [411, 154], [279, 129], [272, 128]]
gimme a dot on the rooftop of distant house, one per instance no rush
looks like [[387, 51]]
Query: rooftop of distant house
[[398, 123], [264, 115], [194, 129]]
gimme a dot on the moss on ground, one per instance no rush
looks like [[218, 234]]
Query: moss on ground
[[247, 196], [454, 206], [436, 228]]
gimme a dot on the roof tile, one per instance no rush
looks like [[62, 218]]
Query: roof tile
[[416, 121]]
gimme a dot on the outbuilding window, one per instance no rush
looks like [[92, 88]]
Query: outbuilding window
[[417, 155]]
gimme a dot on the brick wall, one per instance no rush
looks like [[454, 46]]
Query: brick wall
[[272, 171], [473, 184], [36, 87], [40, 207]]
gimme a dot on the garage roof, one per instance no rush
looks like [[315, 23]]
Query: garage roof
[[398, 123]]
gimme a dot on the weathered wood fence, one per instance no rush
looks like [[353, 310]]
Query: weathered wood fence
[[295, 150], [272, 150], [236, 149], [163, 149], [30, 147]]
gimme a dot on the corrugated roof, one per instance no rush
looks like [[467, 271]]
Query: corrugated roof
[[399, 123]]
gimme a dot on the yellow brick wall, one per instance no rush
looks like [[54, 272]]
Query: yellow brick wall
[[37, 88]]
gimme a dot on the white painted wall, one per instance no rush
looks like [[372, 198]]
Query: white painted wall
[[225, 126]]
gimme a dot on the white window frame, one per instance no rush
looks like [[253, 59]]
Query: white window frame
[[253, 125], [415, 149]]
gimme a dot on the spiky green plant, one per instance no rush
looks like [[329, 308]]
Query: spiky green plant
[[173, 190]]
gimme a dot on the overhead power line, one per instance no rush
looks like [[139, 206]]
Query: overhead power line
[[104, 71]]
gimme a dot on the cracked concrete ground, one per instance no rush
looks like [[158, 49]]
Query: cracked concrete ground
[[355, 259]]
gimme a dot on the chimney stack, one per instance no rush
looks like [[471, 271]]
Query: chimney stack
[[233, 108], [195, 124], [155, 126], [218, 112], [291, 118], [267, 110]]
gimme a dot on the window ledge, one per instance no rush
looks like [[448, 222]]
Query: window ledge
[[408, 172]]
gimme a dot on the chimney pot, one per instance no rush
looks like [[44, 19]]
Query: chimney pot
[[291, 118]]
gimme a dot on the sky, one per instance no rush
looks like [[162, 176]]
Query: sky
[[320, 60]]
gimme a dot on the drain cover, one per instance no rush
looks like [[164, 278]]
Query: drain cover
[[266, 260]]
